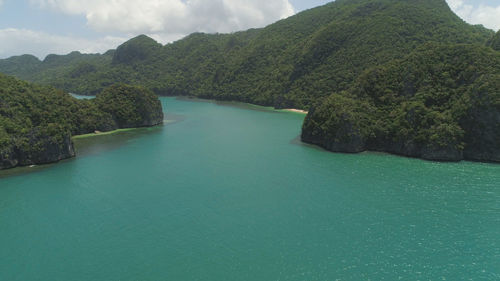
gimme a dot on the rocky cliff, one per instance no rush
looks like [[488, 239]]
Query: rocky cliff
[[42, 150], [36, 123], [441, 102]]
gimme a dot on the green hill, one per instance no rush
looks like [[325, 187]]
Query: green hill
[[54, 69], [24, 66], [135, 51]]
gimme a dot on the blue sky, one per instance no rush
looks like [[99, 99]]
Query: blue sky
[[41, 27]]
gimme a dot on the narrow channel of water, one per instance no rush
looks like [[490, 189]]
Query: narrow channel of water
[[227, 193]]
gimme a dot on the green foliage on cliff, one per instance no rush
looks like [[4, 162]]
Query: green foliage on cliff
[[28, 110], [36, 122], [440, 102]]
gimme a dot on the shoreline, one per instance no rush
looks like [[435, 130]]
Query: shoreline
[[294, 110], [97, 133], [245, 105]]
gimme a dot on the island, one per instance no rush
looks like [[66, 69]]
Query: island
[[441, 103], [37, 122]]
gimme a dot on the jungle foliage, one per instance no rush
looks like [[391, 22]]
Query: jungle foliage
[[36, 118], [441, 101], [291, 63]]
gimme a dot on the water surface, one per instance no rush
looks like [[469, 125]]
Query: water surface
[[228, 193]]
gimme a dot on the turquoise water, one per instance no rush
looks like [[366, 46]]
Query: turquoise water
[[228, 193]]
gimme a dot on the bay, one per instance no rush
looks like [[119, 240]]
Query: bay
[[229, 193]]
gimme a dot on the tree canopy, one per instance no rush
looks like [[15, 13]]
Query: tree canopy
[[404, 76], [37, 122], [291, 63]]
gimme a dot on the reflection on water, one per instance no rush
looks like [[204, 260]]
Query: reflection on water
[[97, 144], [81, 97], [235, 104], [102, 143]]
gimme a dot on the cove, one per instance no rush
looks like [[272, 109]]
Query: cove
[[228, 193]]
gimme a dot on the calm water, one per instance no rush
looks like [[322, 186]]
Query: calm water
[[228, 193]]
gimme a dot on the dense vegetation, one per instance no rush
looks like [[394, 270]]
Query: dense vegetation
[[405, 76], [37, 122], [130, 106], [494, 42], [441, 102], [291, 63]]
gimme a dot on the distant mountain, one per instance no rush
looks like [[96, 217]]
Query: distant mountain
[[23, 66], [300, 62], [136, 51]]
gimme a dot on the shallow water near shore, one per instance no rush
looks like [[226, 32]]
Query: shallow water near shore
[[228, 193]]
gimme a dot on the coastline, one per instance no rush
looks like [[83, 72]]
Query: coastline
[[294, 110], [20, 170], [97, 133], [240, 104]]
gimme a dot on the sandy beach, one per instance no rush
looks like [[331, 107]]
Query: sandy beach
[[296, 110]]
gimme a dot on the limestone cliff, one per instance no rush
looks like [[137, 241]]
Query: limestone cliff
[[441, 102], [36, 122]]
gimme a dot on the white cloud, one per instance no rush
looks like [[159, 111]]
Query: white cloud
[[489, 16], [169, 20], [163, 20], [173, 16], [25, 41]]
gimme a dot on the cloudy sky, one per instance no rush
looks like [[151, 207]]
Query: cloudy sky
[[41, 27]]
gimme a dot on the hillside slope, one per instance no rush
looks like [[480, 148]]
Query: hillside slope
[[291, 63], [442, 102], [494, 42]]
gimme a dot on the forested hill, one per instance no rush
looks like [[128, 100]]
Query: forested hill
[[291, 63], [441, 102]]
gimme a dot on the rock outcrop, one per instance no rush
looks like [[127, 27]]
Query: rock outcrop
[[39, 151], [36, 122]]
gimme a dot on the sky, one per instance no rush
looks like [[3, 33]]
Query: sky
[[42, 27]]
